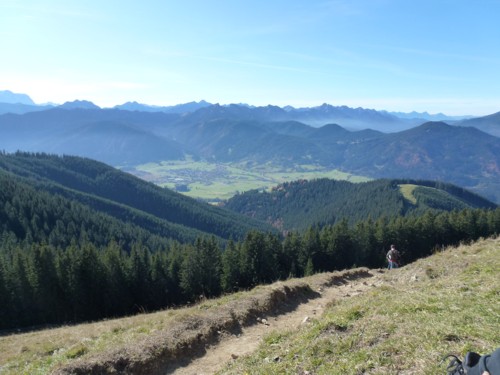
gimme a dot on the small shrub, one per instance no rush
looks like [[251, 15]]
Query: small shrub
[[431, 273], [77, 351]]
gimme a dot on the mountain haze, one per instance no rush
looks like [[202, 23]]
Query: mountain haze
[[179, 108], [461, 155], [111, 136], [79, 104], [7, 96], [268, 135], [489, 124]]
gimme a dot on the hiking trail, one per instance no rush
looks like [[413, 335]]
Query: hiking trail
[[232, 346]]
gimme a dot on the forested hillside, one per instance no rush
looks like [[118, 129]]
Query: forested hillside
[[44, 284], [124, 197], [31, 216], [82, 241], [300, 204]]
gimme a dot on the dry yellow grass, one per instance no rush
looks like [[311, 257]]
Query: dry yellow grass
[[144, 342], [445, 303]]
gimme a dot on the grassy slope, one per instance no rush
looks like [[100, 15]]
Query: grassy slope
[[441, 304], [447, 303], [407, 191]]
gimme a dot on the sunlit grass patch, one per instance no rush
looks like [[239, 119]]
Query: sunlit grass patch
[[407, 191], [404, 327]]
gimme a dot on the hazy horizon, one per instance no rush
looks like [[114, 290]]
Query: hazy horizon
[[427, 56], [227, 104]]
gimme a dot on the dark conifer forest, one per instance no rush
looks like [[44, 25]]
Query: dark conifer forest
[[76, 245], [41, 283], [298, 205]]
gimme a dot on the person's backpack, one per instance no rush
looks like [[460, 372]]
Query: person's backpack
[[394, 256], [474, 364]]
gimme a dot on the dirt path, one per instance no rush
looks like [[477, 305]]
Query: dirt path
[[247, 341]]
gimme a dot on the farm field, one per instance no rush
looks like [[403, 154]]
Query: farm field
[[214, 182]]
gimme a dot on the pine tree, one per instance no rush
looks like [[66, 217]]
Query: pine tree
[[175, 258], [160, 280], [139, 277], [254, 261], [289, 259], [191, 278], [313, 251], [47, 295], [212, 267], [5, 303], [309, 269], [343, 249], [117, 298], [230, 278], [21, 294], [366, 245]]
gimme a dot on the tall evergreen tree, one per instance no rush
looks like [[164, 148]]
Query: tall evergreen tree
[[255, 262], [230, 278], [21, 293], [289, 259], [47, 303], [5, 302], [160, 281], [117, 297], [175, 258], [139, 276], [342, 246], [211, 265]]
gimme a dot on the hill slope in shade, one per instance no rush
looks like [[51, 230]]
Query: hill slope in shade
[[115, 143], [30, 214], [460, 155], [489, 124], [124, 197], [301, 204], [112, 136]]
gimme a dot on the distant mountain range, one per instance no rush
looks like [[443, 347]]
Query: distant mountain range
[[238, 134], [180, 108], [383, 145], [488, 124], [13, 98], [349, 118], [429, 117]]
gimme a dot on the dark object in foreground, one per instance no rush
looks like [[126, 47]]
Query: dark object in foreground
[[474, 364]]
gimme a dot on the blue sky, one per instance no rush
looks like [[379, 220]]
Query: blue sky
[[397, 55]]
